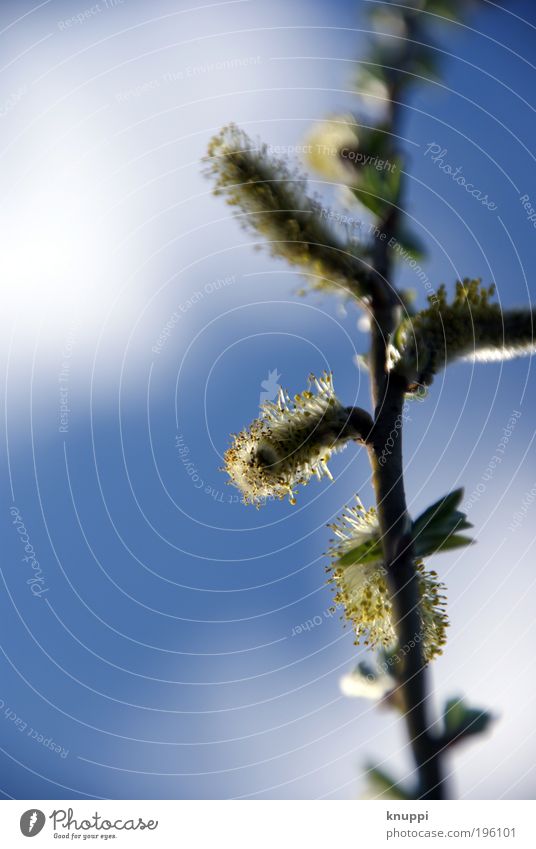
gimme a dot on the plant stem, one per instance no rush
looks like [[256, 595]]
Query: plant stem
[[388, 394], [411, 672]]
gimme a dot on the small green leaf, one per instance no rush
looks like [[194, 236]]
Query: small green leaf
[[382, 785], [411, 245], [365, 669], [444, 8], [461, 721], [392, 179], [425, 65], [369, 200], [377, 189], [368, 552], [460, 520], [447, 523], [369, 75], [427, 546], [438, 528], [453, 714], [448, 504]]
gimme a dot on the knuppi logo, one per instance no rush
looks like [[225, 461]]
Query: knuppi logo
[[32, 822]]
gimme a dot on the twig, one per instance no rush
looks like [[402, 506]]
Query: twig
[[388, 393]]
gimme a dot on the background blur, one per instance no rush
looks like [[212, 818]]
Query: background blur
[[138, 326]]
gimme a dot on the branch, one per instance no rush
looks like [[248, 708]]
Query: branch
[[403, 582], [388, 392]]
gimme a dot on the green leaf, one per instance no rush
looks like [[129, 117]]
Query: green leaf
[[369, 190], [455, 541], [365, 669], [392, 180], [383, 785], [410, 243], [367, 552], [377, 189], [368, 75], [456, 521], [442, 529], [438, 511], [388, 658], [453, 714], [437, 529], [370, 201], [460, 520], [444, 8], [374, 141], [427, 546], [425, 65], [462, 721]]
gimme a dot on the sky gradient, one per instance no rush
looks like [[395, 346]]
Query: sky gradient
[[158, 655]]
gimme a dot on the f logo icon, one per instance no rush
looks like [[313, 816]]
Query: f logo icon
[[32, 822]]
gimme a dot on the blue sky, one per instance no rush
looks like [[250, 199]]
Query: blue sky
[[161, 657]]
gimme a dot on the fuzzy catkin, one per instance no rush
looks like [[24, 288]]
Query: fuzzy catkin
[[361, 588], [274, 203], [291, 440], [469, 328]]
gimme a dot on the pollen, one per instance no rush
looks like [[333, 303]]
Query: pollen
[[361, 587], [292, 440]]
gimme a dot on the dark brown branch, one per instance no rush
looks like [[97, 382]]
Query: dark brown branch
[[360, 424], [402, 580], [388, 393]]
